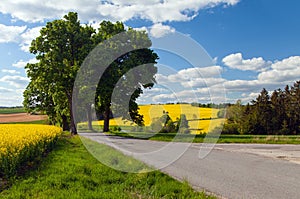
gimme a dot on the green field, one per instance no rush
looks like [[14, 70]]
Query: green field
[[12, 110], [69, 171]]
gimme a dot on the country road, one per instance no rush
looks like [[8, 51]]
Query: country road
[[228, 171]]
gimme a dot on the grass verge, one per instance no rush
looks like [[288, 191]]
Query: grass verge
[[70, 171], [30, 122], [258, 139], [12, 110]]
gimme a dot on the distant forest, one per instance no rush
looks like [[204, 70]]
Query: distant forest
[[278, 113]]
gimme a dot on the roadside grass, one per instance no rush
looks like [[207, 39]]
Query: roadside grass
[[12, 110], [30, 122], [69, 171], [255, 139]]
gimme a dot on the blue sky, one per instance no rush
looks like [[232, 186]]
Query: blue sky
[[253, 43]]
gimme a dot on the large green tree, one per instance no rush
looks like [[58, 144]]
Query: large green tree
[[60, 49], [128, 73]]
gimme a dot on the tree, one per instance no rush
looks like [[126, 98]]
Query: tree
[[262, 108], [60, 49], [182, 124], [119, 71]]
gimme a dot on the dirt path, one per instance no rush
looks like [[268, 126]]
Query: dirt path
[[20, 117]]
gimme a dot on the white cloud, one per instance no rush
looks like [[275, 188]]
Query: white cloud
[[188, 85], [236, 61], [198, 72], [206, 84], [290, 63], [22, 64], [18, 34], [15, 80], [277, 75], [194, 77], [5, 90], [10, 71], [156, 11], [10, 33], [159, 30], [27, 37], [285, 71], [11, 100]]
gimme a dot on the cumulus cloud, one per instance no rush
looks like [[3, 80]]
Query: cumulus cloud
[[156, 11], [236, 61], [21, 63], [278, 74], [27, 37], [207, 83], [18, 34], [11, 99], [198, 84], [10, 33], [283, 71], [5, 90], [15, 80], [159, 30], [10, 71]]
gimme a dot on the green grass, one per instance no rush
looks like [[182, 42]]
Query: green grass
[[259, 139], [69, 171], [30, 122], [12, 110]]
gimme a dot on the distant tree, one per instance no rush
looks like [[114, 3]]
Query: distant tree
[[263, 113], [221, 113], [182, 125], [279, 113]]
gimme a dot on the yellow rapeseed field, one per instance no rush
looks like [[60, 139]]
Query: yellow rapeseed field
[[192, 113], [21, 143]]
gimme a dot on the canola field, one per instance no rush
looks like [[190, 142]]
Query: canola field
[[20, 143], [199, 118]]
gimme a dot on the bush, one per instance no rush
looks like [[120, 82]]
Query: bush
[[156, 125], [230, 128], [184, 130], [116, 128]]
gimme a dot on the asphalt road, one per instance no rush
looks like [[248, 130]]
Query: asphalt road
[[228, 171]]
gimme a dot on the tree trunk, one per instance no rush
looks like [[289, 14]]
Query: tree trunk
[[89, 117], [65, 123], [106, 119], [73, 128]]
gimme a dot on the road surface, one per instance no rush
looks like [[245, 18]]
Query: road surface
[[228, 171]]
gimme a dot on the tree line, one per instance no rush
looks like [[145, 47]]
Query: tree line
[[268, 114]]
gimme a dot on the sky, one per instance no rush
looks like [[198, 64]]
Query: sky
[[251, 44]]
